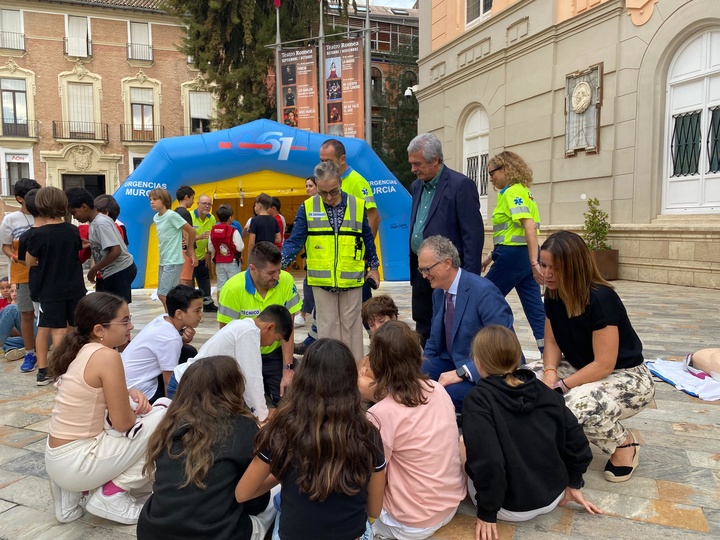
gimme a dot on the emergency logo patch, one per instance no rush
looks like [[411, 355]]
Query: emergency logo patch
[[365, 192], [518, 201]]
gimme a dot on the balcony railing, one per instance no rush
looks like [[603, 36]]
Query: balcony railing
[[12, 40], [79, 47], [29, 129], [141, 133], [88, 131], [137, 51], [195, 130]]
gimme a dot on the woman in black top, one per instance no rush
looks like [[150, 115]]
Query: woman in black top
[[592, 354]]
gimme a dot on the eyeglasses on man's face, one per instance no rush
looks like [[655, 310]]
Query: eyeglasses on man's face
[[425, 271], [331, 193]]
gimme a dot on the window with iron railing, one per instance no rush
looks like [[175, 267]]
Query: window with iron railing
[[14, 107], [77, 42], [140, 47], [686, 140], [476, 170], [11, 36]]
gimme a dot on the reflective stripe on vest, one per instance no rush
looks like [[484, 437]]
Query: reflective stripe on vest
[[335, 259]]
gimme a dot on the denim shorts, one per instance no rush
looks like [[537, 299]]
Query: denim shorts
[[168, 277]]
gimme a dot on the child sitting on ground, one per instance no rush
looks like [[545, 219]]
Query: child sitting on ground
[[152, 355], [242, 339], [197, 455], [325, 452], [375, 313], [54, 248], [169, 227], [526, 452], [10, 324]]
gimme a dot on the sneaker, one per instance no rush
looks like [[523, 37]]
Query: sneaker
[[43, 379], [15, 354], [30, 362], [210, 308], [120, 507], [67, 503], [299, 320]]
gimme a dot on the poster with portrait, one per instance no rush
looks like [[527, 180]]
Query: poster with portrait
[[298, 92], [344, 94]]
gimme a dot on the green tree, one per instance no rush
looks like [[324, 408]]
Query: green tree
[[228, 40], [399, 113]]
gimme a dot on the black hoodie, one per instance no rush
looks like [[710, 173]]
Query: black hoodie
[[524, 446]]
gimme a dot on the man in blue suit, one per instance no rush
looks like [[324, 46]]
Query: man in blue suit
[[444, 202], [463, 303]]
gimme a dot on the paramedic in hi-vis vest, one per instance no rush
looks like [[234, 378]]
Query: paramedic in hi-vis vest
[[333, 227]]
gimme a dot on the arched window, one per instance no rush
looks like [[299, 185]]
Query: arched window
[[376, 80], [476, 131], [692, 141]]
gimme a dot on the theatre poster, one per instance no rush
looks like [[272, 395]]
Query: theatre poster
[[298, 96], [344, 97]]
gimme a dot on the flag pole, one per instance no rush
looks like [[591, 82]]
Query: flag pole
[[278, 80], [321, 70], [368, 77]]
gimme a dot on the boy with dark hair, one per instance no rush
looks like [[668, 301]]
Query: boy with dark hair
[[242, 340], [225, 246], [379, 310], [274, 211], [152, 355], [263, 227], [54, 248], [114, 269], [106, 204], [13, 225], [185, 196]]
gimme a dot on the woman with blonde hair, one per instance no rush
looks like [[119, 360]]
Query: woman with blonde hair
[[516, 221], [526, 453], [592, 354]]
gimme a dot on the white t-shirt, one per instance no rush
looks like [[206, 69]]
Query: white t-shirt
[[241, 340], [237, 240], [154, 350]]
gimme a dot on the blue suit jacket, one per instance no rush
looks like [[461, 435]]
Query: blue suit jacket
[[478, 303], [454, 214]]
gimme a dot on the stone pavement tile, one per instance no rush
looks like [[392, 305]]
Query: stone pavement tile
[[703, 431], [689, 414], [672, 464], [708, 460], [18, 418], [642, 424], [607, 526], [7, 478], [38, 446], [29, 491], [6, 505], [707, 497], [638, 486], [42, 426], [713, 517], [656, 511], [9, 453], [670, 440], [462, 527], [21, 523], [18, 438], [32, 464]]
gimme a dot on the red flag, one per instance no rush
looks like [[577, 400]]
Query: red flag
[[277, 3]]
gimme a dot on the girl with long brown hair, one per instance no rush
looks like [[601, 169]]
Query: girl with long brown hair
[[416, 419], [80, 455], [323, 450], [196, 456]]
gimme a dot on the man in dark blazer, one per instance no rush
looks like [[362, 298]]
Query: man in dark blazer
[[476, 303], [446, 203]]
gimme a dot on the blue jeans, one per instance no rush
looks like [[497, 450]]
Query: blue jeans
[[511, 270], [171, 387], [9, 319], [367, 535]]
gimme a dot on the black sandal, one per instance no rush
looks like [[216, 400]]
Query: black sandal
[[616, 473]]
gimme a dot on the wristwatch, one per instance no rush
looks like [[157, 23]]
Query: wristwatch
[[461, 372], [288, 367]]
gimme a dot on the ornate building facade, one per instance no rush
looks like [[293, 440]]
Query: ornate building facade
[[614, 99]]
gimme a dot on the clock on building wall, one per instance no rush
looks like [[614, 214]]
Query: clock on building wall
[[583, 97]]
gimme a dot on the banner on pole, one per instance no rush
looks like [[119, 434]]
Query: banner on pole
[[344, 94], [299, 97]]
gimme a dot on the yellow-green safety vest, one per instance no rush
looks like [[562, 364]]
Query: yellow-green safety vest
[[515, 202], [335, 259]]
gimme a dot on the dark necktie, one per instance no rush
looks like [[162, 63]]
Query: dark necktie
[[449, 317]]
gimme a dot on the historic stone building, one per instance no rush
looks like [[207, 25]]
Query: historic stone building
[[614, 99], [88, 87]]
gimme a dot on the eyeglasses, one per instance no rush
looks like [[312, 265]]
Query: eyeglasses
[[490, 173], [426, 271], [330, 193], [126, 322]]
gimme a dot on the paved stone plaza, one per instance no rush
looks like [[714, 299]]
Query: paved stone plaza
[[675, 492]]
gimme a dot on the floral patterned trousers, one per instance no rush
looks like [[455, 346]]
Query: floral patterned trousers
[[599, 406]]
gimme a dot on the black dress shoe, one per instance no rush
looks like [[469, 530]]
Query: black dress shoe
[[299, 348], [210, 308]]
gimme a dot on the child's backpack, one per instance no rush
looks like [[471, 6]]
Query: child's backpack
[[221, 237]]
